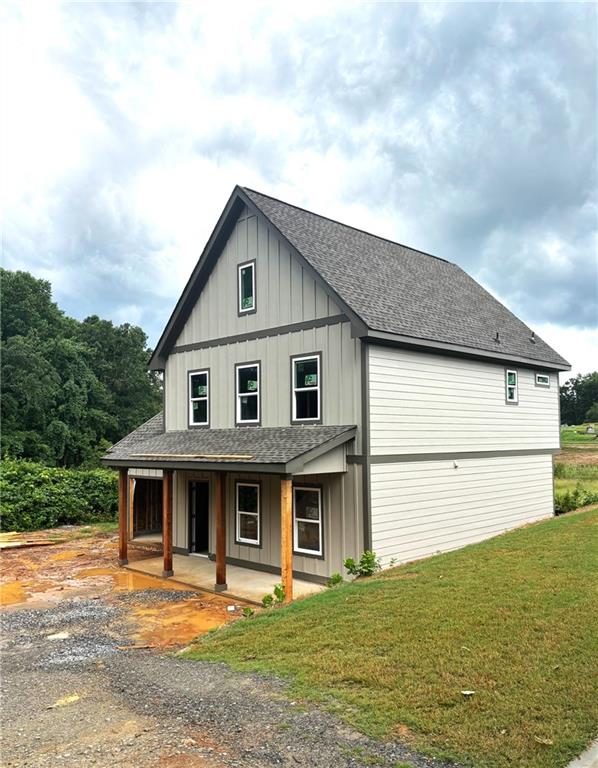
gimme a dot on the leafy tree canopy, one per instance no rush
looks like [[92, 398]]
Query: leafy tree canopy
[[69, 389], [579, 399]]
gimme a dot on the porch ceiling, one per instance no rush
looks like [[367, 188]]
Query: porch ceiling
[[283, 450]]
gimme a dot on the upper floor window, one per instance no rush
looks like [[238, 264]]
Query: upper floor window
[[248, 393], [306, 388], [542, 380], [199, 395], [246, 283], [512, 387]]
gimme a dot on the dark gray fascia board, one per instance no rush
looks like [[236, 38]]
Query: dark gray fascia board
[[204, 266], [297, 464], [356, 321], [213, 247], [426, 345], [211, 466]]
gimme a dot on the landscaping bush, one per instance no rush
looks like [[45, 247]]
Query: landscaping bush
[[35, 496], [569, 500]]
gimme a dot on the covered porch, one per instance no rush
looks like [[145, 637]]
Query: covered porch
[[242, 583], [267, 459]]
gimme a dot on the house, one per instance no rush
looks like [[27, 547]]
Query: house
[[328, 391]]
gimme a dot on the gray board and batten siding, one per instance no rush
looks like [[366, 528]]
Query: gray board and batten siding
[[341, 519]]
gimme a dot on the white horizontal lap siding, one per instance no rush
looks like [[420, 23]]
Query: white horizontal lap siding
[[426, 403], [425, 507]]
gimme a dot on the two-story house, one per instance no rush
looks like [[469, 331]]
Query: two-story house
[[327, 391]]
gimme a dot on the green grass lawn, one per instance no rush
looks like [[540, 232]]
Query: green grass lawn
[[514, 619], [577, 434]]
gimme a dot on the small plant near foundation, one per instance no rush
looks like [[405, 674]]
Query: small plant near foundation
[[369, 563], [248, 612], [334, 580], [278, 593], [275, 598]]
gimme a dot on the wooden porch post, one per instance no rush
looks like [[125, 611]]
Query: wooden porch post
[[167, 521], [286, 536], [122, 516], [221, 585], [131, 535]]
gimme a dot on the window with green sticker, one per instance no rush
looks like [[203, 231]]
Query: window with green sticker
[[248, 393], [246, 281], [512, 387], [306, 388], [199, 398]]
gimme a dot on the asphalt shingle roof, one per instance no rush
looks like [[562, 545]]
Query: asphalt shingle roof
[[400, 290], [248, 445]]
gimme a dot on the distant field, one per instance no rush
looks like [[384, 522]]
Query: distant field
[[576, 468]]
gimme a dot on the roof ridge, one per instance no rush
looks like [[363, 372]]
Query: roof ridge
[[348, 226]]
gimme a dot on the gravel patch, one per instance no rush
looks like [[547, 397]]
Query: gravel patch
[[82, 700]]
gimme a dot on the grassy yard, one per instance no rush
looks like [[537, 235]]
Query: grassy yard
[[514, 619]]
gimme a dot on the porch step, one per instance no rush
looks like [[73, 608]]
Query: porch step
[[146, 546]]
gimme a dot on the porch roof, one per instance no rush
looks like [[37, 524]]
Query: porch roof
[[283, 450]]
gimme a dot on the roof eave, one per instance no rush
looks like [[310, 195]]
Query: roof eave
[[394, 339]]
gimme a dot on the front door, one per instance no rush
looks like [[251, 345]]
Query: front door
[[199, 517]]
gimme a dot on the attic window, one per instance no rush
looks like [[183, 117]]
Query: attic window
[[542, 380], [511, 387], [246, 281]]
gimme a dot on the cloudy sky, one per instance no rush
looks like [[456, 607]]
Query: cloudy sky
[[466, 130]]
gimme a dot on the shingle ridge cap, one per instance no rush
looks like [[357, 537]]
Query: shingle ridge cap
[[348, 226]]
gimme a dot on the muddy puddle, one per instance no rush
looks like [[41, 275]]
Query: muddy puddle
[[42, 577]]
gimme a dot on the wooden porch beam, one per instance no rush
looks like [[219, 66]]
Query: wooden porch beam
[[220, 498], [167, 521], [122, 516], [286, 536]]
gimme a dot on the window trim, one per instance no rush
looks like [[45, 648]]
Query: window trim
[[541, 373], [507, 385], [294, 359], [252, 263], [190, 423], [296, 549], [248, 542], [258, 421]]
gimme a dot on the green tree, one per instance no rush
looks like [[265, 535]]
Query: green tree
[[579, 395], [68, 389]]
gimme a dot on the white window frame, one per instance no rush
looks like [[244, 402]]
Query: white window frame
[[197, 399], [545, 384], [238, 512], [239, 395], [296, 389], [319, 522], [511, 386], [246, 265]]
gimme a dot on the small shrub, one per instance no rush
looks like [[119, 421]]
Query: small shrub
[[570, 500], [279, 593], [267, 600], [334, 580], [369, 563], [35, 496], [248, 612]]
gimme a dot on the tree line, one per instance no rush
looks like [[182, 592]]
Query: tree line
[[69, 388], [579, 399]]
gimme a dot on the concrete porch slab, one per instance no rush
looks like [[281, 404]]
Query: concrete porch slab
[[243, 583]]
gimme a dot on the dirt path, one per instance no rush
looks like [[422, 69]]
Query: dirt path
[[75, 694]]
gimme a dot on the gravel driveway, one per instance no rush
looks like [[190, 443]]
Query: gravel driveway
[[75, 694]]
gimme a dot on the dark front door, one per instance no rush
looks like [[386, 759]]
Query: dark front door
[[199, 517]]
